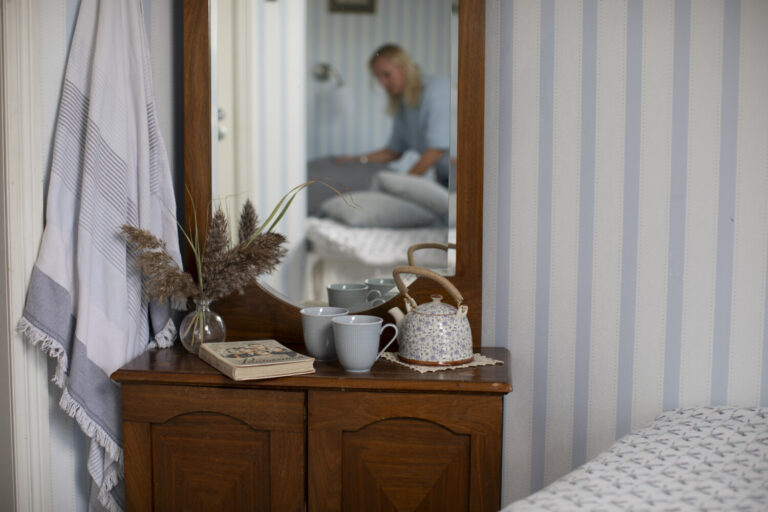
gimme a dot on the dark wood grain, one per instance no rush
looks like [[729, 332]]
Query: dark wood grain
[[405, 464], [198, 448], [137, 454], [470, 151], [287, 471], [267, 410], [258, 313], [204, 462], [176, 366], [401, 441], [197, 119]]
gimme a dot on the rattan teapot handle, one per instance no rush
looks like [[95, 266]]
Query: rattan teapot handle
[[427, 245], [423, 272]]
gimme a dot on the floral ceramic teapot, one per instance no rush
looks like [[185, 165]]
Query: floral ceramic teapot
[[433, 333]]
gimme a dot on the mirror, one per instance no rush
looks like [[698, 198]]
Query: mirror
[[298, 96], [260, 313]]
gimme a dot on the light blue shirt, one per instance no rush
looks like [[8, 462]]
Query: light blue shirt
[[428, 126]]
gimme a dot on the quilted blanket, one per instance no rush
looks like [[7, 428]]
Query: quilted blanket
[[704, 459]]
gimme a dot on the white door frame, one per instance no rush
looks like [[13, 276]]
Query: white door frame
[[25, 480]]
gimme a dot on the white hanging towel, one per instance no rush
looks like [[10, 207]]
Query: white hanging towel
[[85, 306]]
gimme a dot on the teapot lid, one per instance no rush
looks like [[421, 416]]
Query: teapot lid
[[435, 308]]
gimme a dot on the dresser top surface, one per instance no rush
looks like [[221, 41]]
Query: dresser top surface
[[175, 366]]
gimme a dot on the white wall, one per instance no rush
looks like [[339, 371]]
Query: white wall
[[626, 242]]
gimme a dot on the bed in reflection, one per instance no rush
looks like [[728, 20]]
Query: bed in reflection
[[391, 212]]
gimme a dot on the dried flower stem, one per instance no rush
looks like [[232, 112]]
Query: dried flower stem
[[222, 268]]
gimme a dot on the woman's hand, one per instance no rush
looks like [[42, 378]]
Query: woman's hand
[[428, 158], [381, 156]]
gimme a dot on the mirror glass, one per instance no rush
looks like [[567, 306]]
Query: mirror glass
[[300, 96]]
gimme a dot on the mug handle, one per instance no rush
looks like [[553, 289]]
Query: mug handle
[[376, 302], [369, 298], [390, 341]]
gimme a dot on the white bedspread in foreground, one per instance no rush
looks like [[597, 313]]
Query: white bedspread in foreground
[[706, 458]]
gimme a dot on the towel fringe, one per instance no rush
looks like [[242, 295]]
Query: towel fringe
[[111, 478], [167, 336], [49, 346], [179, 304], [55, 350], [90, 427]]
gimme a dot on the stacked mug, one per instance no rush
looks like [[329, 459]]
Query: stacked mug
[[361, 296], [331, 332]]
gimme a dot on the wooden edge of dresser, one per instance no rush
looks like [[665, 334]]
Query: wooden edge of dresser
[[293, 383], [176, 367]]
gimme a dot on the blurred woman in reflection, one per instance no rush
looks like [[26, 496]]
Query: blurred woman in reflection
[[421, 108]]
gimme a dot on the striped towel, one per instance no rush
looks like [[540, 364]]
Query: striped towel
[[85, 306]]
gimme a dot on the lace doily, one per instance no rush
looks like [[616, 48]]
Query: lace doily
[[478, 360]]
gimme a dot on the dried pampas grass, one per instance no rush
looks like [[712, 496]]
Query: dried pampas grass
[[223, 268]]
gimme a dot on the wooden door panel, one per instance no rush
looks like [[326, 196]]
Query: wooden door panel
[[137, 460], [405, 464], [404, 451], [204, 462], [199, 448]]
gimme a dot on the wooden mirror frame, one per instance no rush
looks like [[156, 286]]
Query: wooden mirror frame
[[259, 314]]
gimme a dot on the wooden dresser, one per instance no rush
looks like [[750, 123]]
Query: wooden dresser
[[389, 439]]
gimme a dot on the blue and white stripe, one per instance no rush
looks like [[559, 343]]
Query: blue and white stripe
[[631, 242], [586, 229], [653, 193], [564, 226], [677, 202], [543, 238], [726, 207], [750, 246]]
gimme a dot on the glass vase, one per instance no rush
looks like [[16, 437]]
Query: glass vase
[[201, 326]]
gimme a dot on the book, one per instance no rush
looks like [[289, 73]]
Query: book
[[255, 359]]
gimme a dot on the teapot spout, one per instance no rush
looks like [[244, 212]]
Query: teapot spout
[[397, 315]]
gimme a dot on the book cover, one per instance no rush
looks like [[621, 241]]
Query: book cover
[[255, 359]]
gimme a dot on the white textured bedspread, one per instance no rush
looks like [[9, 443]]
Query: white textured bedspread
[[376, 246], [705, 458]]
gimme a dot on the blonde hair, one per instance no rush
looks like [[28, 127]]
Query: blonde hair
[[413, 85]]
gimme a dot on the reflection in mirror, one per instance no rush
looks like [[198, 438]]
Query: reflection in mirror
[[299, 97]]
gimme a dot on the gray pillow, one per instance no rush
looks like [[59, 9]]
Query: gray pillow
[[425, 192], [345, 177], [377, 210]]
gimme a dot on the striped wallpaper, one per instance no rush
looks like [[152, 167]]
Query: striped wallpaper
[[353, 119], [627, 157]]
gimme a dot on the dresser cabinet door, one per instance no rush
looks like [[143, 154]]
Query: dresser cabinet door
[[203, 449], [404, 451]]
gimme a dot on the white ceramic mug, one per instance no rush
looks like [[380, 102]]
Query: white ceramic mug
[[353, 296], [318, 333], [357, 340]]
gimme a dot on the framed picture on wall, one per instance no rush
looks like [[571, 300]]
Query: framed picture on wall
[[352, 6]]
